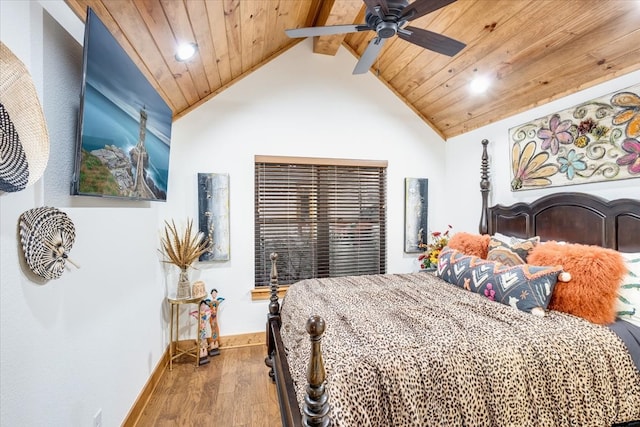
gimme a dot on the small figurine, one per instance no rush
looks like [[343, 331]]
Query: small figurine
[[204, 314], [214, 332]]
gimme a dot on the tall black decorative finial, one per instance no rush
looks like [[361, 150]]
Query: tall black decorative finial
[[274, 306], [484, 187]]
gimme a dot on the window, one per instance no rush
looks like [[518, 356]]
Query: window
[[323, 217]]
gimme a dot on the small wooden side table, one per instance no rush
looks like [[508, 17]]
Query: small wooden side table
[[174, 350]]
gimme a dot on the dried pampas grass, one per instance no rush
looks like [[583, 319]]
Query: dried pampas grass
[[182, 249]]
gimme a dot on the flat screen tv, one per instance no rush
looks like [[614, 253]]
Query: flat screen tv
[[124, 126]]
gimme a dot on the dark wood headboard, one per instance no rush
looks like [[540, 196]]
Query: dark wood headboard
[[571, 217]]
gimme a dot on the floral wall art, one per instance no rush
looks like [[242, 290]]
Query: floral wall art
[[598, 140]]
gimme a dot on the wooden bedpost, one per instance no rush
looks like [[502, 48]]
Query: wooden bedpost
[[274, 305], [484, 188], [274, 314], [316, 407]]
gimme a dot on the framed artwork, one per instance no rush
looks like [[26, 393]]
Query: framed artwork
[[416, 207], [213, 214], [598, 140], [124, 126]]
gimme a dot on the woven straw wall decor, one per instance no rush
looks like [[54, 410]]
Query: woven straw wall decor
[[24, 138], [47, 235]]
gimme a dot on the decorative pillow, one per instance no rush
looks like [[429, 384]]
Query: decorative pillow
[[470, 244], [596, 273], [510, 250], [525, 287], [628, 303]]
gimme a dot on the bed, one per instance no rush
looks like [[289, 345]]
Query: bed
[[415, 350]]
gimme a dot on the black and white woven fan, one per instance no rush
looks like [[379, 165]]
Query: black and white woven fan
[[47, 235]]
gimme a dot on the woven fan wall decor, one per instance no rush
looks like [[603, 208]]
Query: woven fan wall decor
[[47, 235]]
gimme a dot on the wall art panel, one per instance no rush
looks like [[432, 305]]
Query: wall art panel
[[416, 204], [213, 214], [598, 140]]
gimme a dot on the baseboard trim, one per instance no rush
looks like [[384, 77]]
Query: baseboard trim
[[143, 398], [243, 340], [226, 342]]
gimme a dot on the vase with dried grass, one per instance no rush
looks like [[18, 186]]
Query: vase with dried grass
[[182, 250]]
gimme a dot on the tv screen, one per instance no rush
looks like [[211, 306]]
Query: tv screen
[[124, 126]]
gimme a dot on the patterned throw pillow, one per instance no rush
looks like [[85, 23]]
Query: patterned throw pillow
[[628, 304], [510, 250], [525, 287]]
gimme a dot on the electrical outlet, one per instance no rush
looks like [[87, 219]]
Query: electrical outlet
[[97, 418]]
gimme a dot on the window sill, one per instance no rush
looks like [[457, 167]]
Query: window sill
[[264, 292]]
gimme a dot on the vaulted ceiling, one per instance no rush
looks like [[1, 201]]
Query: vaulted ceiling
[[534, 51]]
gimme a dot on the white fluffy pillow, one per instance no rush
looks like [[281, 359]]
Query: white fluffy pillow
[[628, 304]]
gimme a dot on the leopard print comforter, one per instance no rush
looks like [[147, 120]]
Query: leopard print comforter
[[413, 350]]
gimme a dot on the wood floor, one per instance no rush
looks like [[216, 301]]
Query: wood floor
[[232, 390]]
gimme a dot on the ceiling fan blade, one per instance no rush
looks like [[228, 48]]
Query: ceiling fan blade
[[372, 4], [325, 31], [369, 55], [430, 40], [421, 7]]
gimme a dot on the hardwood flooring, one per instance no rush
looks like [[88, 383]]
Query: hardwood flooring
[[232, 390]]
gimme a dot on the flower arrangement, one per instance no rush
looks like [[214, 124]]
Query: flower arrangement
[[182, 249], [429, 259]]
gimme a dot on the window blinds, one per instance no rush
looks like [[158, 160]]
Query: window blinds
[[322, 219]]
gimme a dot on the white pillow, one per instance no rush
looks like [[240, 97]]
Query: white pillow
[[512, 240], [502, 237], [628, 304]]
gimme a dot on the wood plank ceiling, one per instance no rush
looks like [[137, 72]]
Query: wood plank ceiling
[[535, 51]]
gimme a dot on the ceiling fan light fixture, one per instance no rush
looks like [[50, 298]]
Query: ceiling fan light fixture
[[479, 84], [386, 29], [186, 51], [388, 18]]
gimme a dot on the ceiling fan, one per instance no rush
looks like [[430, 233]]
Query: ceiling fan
[[388, 18]]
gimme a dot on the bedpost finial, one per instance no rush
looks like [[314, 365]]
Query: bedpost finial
[[315, 411], [484, 187], [274, 306], [315, 326], [274, 267]]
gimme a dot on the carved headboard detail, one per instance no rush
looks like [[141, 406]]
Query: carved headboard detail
[[572, 217]]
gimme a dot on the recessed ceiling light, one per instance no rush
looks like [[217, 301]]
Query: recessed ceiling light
[[186, 51], [479, 84]]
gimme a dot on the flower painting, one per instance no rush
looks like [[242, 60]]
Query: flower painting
[[595, 141]]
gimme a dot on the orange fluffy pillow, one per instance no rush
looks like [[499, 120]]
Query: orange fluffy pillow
[[595, 277], [470, 244]]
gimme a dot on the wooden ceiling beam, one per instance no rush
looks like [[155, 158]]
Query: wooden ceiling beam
[[335, 12]]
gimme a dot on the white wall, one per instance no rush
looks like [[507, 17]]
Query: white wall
[[88, 340], [463, 155], [301, 104]]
